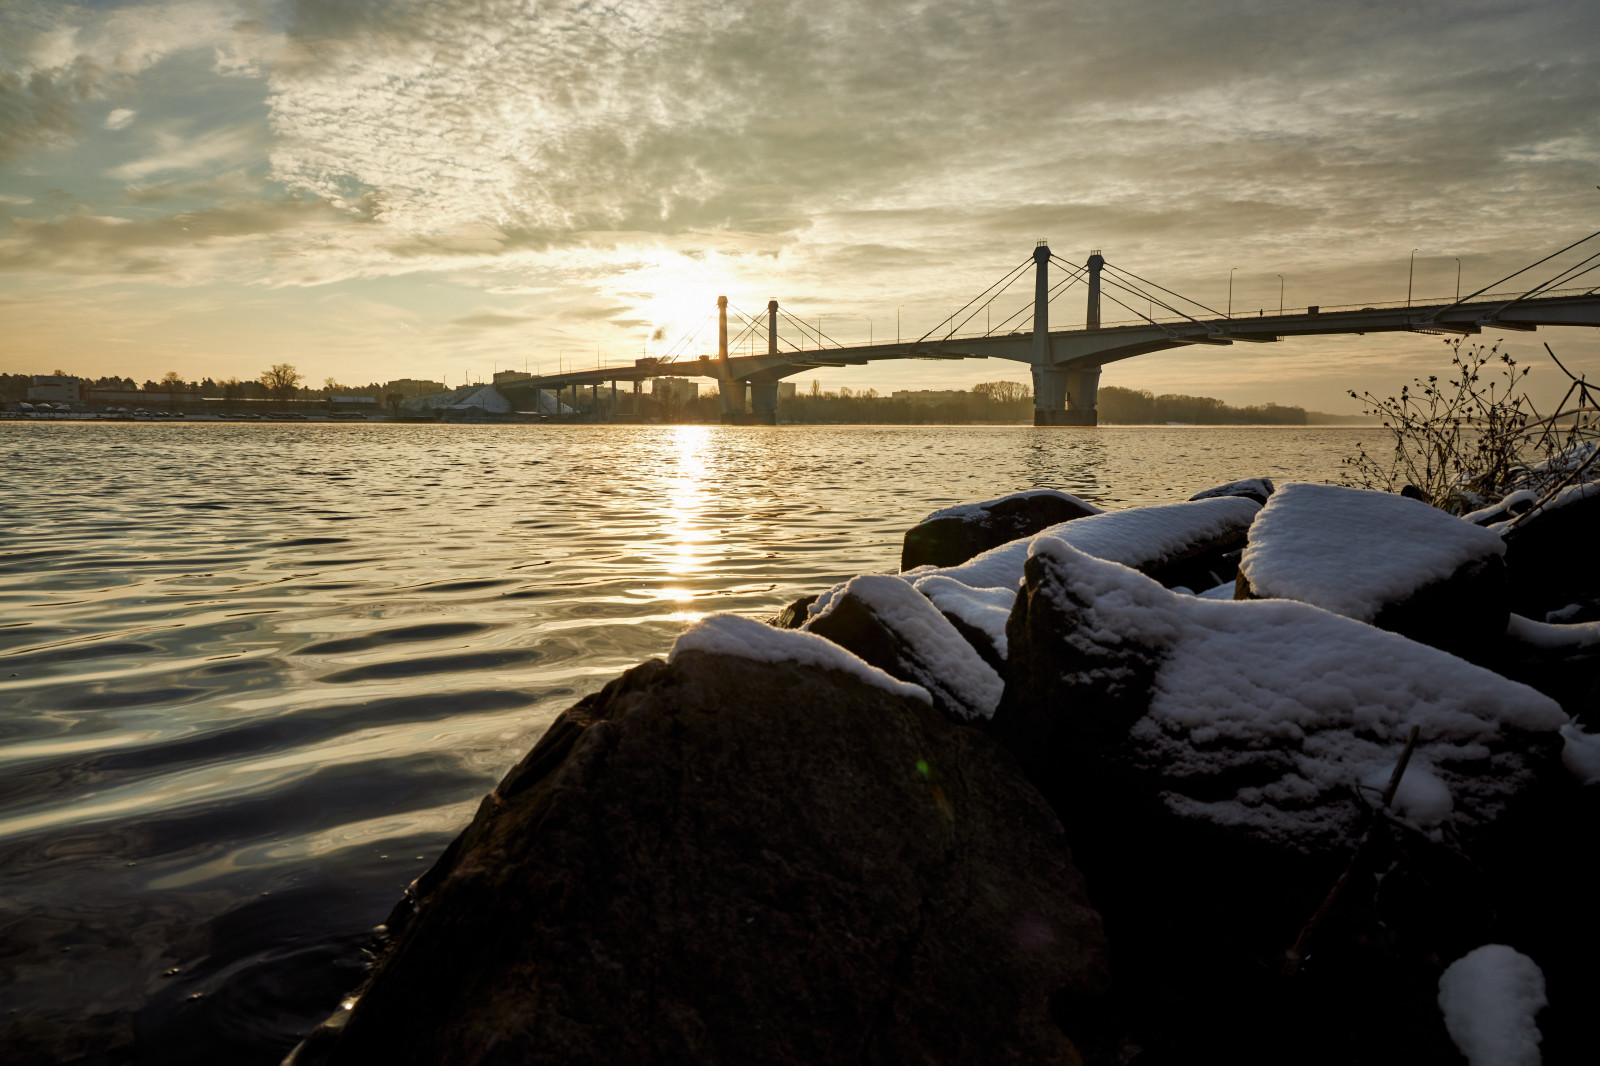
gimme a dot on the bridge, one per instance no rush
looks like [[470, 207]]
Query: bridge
[[1066, 363]]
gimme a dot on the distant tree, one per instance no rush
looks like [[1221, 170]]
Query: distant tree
[[1004, 391], [172, 381], [280, 380]]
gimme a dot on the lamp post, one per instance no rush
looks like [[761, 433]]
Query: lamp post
[[869, 331], [1230, 290], [1280, 294], [1457, 258], [897, 324], [1411, 272]]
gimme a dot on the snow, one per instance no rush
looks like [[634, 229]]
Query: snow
[[932, 650], [1421, 798], [730, 634], [1570, 494], [1353, 551], [1304, 703], [1259, 486], [1223, 591], [985, 610], [1139, 536], [1545, 635], [1490, 998], [1521, 496], [971, 511], [1581, 754]]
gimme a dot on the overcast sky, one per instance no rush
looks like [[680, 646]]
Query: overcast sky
[[372, 189]]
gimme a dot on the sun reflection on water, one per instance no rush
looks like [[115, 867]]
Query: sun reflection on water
[[685, 535]]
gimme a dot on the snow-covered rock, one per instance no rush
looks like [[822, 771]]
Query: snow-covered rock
[[979, 615], [1175, 543], [955, 534], [1252, 488], [1265, 718], [1491, 998], [1376, 557], [892, 626]]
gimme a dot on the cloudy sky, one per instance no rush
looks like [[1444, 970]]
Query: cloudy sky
[[372, 189]]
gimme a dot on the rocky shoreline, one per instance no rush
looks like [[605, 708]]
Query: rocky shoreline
[[1269, 775]]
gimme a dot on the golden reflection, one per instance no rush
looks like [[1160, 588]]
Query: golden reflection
[[684, 532]]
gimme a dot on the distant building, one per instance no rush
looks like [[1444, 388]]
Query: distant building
[[786, 390], [370, 401], [48, 388], [484, 398], [674, 390], [931, 397]]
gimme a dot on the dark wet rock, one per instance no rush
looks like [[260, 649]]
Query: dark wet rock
[[1550, 552], [955, 534], [1251, 488], [894, 627], [729, 861], [1214, 765], [1379, 558], [794, 616], [1561, 661]]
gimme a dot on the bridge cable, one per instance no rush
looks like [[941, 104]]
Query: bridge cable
[[1009, 281], [1154, 300], [1006, 279], [1168, 291], [1563, 275], [1435, 316], [1059, 288]]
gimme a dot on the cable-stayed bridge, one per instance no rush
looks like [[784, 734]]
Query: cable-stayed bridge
[[1066, 363]]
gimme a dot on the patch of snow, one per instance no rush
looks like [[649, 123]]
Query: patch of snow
[[1521, 496], [935, 653], [1223, 591], [1421, 798], [1561, 614], [1569, 495], [985, 610], [1139, 536], [1306, 703], [1260, 486], [1545, 635], [1581, 754], [731, 634], [1490, 998], [1352, 551], [971, 511]]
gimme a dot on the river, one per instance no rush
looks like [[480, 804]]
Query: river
[[253, 678]]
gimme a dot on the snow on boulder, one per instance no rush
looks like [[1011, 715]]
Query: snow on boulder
[[979, 615], [1264, 718], [1251, 488], [730, 634], [955, 534], [897, 630], [1491, 999], [1175, 543], [1396, 563]]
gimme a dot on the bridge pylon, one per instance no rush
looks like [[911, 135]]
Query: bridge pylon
[[1061, 396]]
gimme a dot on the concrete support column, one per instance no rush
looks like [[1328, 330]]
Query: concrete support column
[[764, 402], [613, 401], [538, 400], [1092, 319], [730, 393]]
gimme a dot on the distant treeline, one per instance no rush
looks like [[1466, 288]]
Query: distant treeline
[[280, 381], [1012, 402]]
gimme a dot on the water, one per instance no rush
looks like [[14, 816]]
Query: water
[[254, 678]]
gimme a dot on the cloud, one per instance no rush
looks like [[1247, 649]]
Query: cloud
[[175, 152], [491, 320], [120, 118]]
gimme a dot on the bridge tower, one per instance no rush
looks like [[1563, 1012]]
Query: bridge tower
[[764, 393], [730, 391], [1062, 396]]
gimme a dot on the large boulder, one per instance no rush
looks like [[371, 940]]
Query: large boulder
[[1219, 764], [1398, 564], [1188, 544], [894, 627], [761, 851], [955, 534], [1550, 551], [978, 614]]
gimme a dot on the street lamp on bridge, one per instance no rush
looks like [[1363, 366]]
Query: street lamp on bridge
[[897, 323], [869, 331], [1457, 258], [1410, 273], [1230, 290], [1280, 294]]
